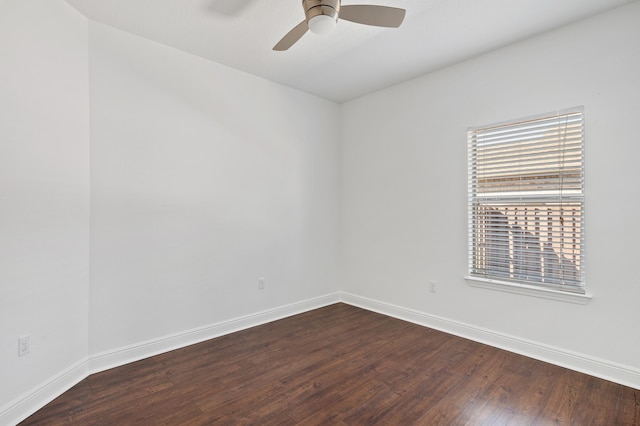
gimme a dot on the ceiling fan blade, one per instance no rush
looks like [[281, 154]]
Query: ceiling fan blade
[[292, 36], [379, 16]]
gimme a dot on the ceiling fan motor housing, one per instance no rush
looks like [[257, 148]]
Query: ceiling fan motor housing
[[321, 10]]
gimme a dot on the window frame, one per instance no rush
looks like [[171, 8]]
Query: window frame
[[530, 286]]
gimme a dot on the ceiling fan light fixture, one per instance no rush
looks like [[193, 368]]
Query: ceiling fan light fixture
[[322, 15], [322, 24]]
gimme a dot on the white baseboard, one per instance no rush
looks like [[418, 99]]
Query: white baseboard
[[624, 375], [121, 356], [22, 407], [27, 404]]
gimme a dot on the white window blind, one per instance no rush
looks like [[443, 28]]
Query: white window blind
[[526, 201]]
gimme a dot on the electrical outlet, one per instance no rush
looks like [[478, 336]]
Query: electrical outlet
[[432, 287], [24, 345], [260, 283]]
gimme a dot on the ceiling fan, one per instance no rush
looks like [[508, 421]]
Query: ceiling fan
[[321, 17]]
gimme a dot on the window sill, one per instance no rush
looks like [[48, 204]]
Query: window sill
[[563, 296]]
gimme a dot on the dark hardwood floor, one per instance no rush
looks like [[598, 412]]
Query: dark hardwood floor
[[341, 365]]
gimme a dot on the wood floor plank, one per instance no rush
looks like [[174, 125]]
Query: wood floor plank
[[341, 365]]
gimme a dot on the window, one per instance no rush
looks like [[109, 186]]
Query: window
[[526, 202]]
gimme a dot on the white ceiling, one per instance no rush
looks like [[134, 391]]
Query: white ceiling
[[354, 59]]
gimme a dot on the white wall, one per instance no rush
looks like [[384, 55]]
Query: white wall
[[404, 188], [44, 192], [203, 180]]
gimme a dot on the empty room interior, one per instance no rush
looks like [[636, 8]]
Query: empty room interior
[[172, 177]]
